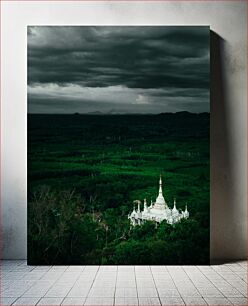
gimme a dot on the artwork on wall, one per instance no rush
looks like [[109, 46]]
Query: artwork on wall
[[118, 145]]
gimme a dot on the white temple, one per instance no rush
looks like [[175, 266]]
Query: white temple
[[157, 211]]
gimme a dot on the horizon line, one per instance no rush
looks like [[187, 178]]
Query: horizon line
[[111, 114]]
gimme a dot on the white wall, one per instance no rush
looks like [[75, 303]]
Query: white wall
[[228, 105]]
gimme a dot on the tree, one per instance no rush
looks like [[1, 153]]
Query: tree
[[57, 230], [132, 252]]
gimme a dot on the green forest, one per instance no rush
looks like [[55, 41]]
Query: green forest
[[85, 172]]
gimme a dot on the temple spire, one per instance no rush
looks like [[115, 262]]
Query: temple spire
[[160, 186], [175, 203], [145, 205]]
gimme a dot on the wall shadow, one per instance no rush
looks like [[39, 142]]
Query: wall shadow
[[222, 221]]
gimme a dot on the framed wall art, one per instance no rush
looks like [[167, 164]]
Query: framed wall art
[[118, 145]]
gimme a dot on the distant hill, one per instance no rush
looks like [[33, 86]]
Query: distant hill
[[184, 114], [95, 113]]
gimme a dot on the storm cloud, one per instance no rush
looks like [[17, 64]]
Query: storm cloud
[[126, 69]]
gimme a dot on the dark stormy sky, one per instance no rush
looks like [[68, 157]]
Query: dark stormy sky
[[118, 69]]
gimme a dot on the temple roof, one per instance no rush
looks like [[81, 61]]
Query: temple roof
[[158, 211], [160, 198]]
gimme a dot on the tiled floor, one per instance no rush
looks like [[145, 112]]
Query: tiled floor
[[123, 285]]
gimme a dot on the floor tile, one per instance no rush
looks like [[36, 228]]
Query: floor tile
[[58, 268], [122, 301], [230, 292], [75, 269], [125, 269], [102, 292], [50, 301], [89, 269], [7, 301], [209, 292], [99, 301], [41, 268], [166, 301], [108, 268], [192, 292], [38, 290], [106, 275], [126, 292], [149, 301], [79, 291], [217, 301], [58, 291], [145, 283], [169, 284], [164, 292], [126, 283], [126, 275], [26, 301], [13, 292], [239, 301], [147, 292], [194, 301], [33, 276], [104, 283], [73, 301], [84, 279]]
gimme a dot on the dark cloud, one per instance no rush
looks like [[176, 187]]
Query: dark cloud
[[171, 61]]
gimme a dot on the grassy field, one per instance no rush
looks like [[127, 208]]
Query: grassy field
[[101, 164]]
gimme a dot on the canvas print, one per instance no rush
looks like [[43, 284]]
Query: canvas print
[[118, 145]]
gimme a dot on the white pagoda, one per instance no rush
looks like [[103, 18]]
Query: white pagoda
[[157, 211]]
